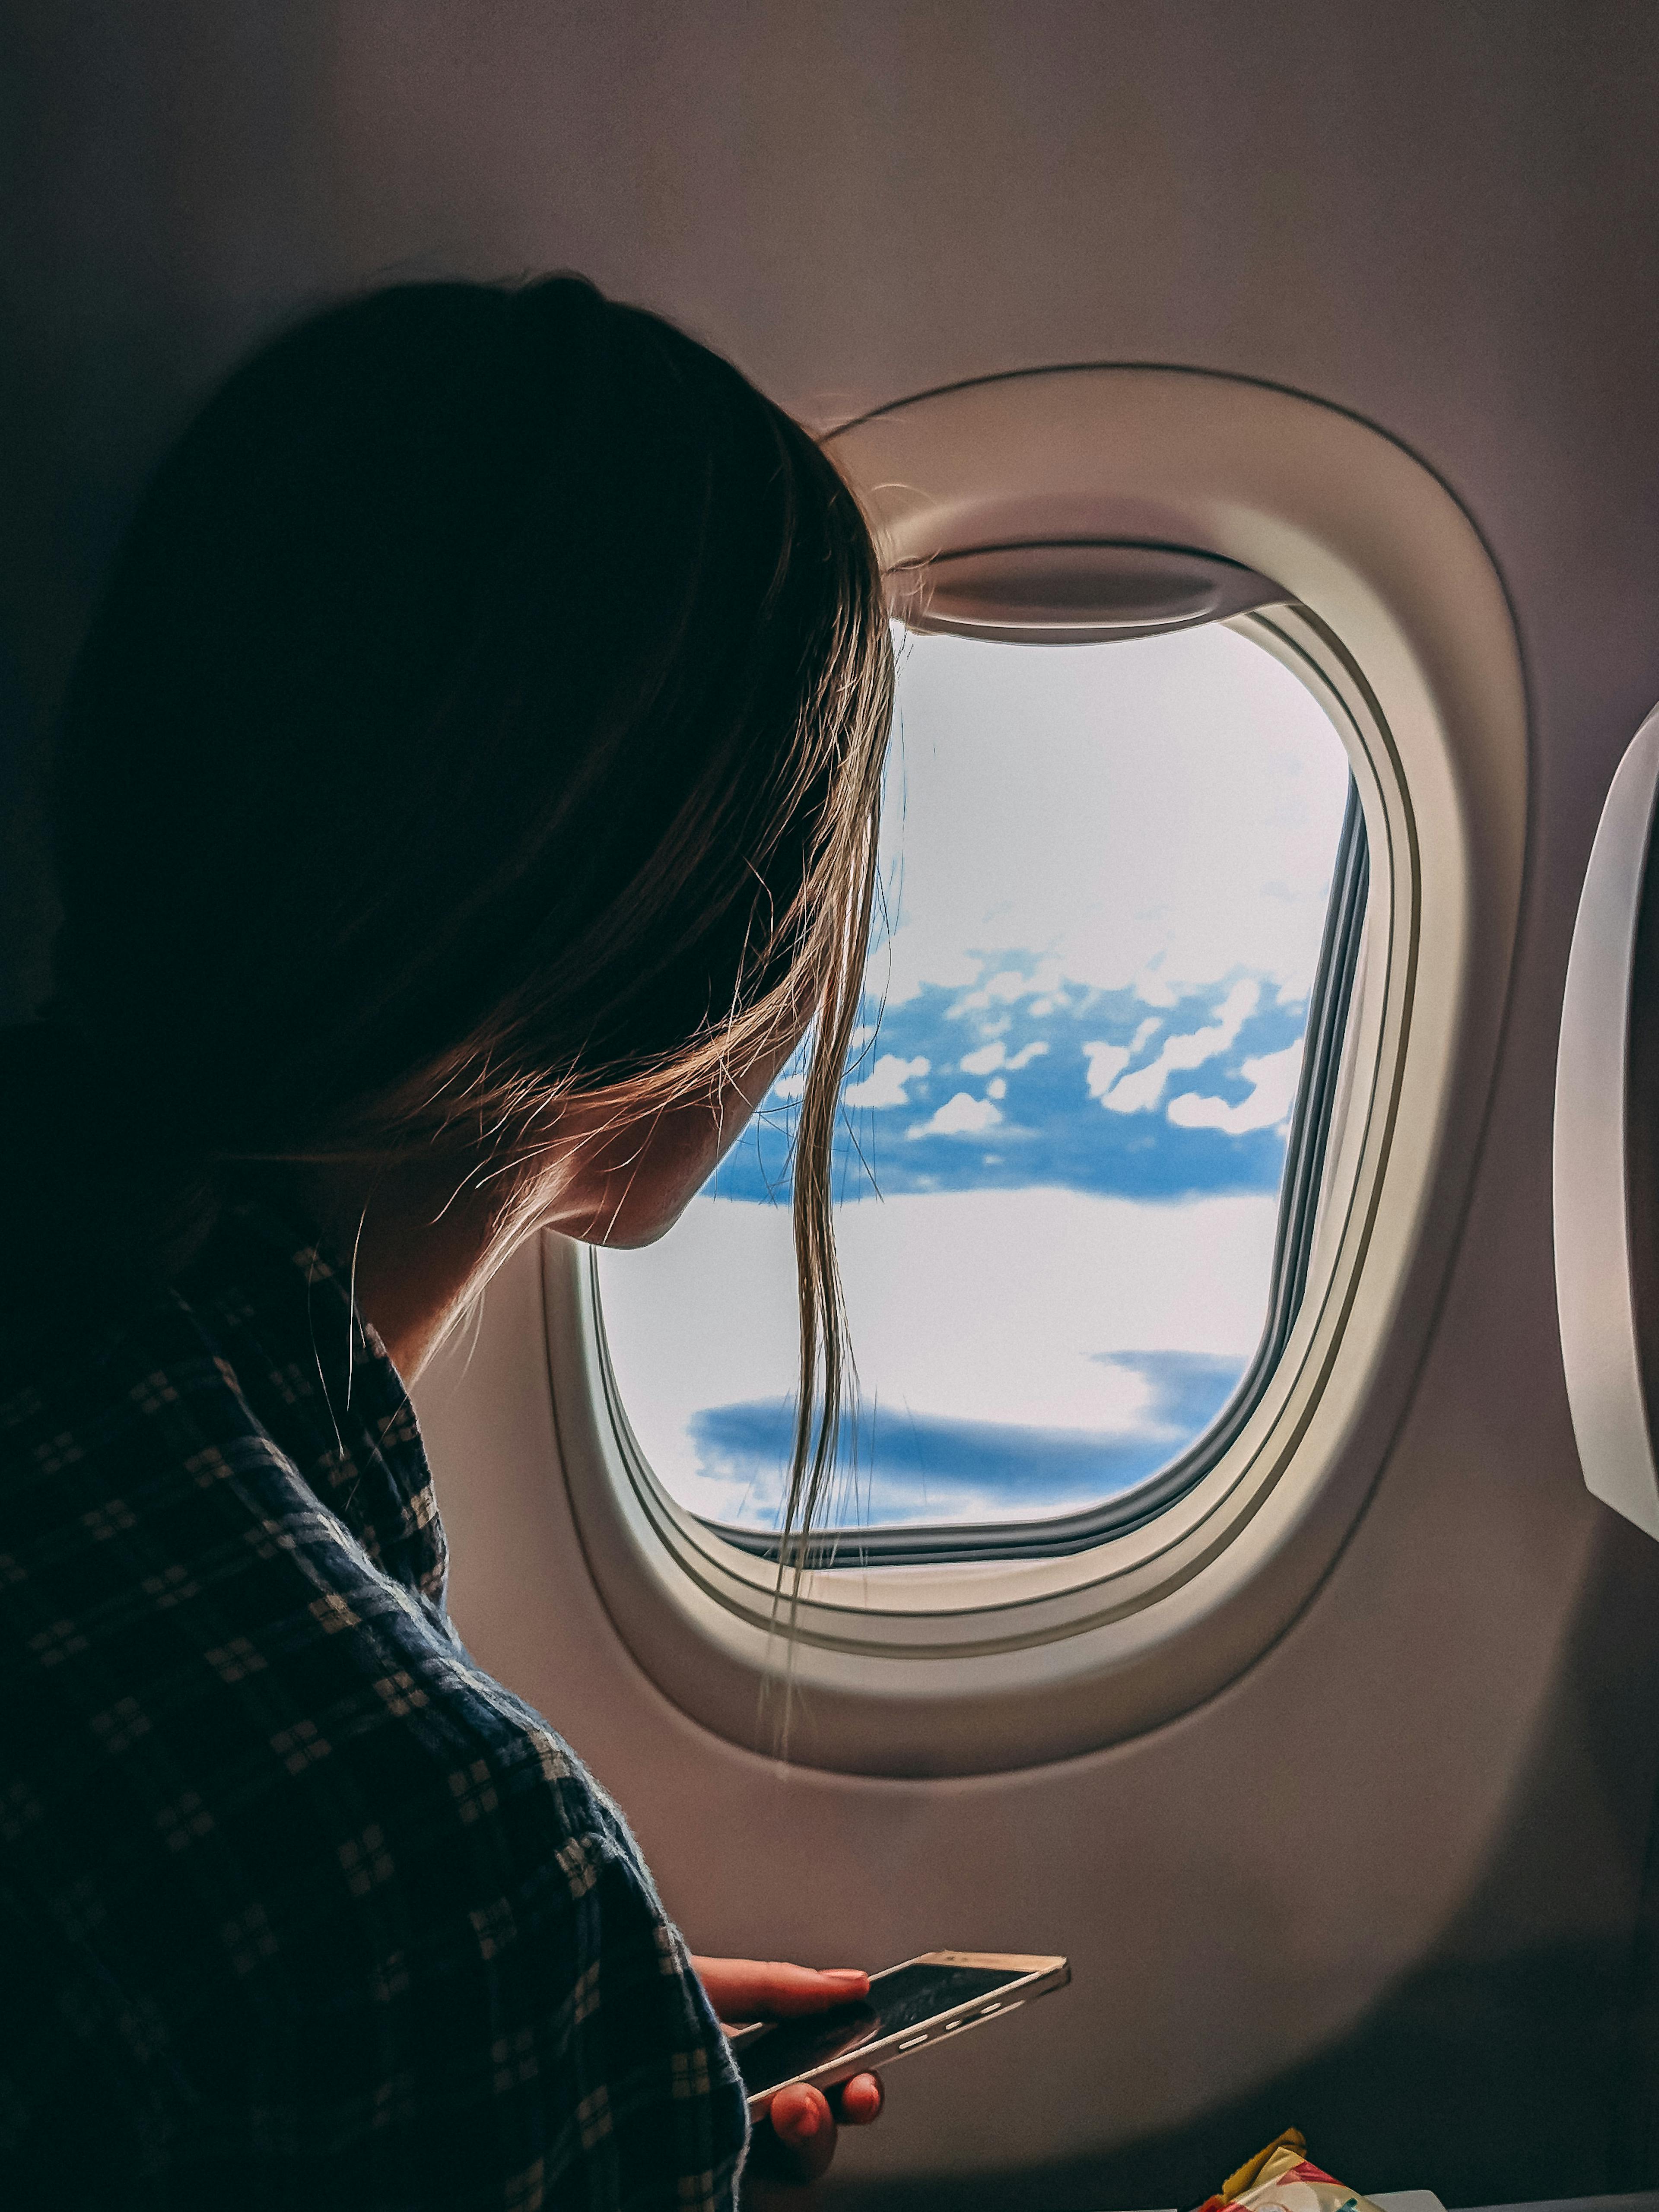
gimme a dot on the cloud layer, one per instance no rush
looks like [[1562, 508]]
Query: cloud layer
[[1045, 1312]]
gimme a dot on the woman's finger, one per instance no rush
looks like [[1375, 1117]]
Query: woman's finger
[[770, 1988], [857, 2102], [802, 2131]]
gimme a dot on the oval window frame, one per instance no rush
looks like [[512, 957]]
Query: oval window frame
[[1395, 616]]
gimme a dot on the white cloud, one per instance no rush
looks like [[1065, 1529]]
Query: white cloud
[[1274, 1077], [885, 1084], [1106, 1063], [996, 1088], [990, 1057], [788, 1087], [1153, 990], [964, 1116], [1135, 1094], [1010, 985], [1139, 1092], [974, 1305]]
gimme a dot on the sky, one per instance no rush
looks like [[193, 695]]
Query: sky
[[1106, 869]]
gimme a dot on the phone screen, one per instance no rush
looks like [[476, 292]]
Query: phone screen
[[904, 1996]]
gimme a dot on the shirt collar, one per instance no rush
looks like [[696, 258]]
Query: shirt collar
[[320, 1381]]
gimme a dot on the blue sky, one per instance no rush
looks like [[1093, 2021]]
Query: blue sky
[[1106, 869]]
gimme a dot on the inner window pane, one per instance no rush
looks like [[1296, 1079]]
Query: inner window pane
[[1107, 869]]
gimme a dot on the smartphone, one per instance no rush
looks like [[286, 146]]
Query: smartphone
[[926, 2000]]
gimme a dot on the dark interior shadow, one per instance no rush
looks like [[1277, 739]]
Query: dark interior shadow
[[1490, 2075]]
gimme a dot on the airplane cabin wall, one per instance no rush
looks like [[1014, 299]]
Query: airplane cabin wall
[[1390, 1883]]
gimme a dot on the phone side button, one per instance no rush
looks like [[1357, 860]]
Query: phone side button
[[910, 2042]]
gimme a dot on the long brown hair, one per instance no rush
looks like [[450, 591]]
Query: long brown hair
[[486, 708]]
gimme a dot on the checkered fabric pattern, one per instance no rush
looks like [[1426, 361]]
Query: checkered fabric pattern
[[297, 1906]]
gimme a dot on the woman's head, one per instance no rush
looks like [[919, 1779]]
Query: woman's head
[[482, 724]]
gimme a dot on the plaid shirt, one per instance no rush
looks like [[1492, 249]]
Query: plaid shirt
[[297, 1906]]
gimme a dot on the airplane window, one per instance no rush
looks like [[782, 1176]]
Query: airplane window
[[1072, 1118]]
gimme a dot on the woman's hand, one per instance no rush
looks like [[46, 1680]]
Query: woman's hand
[[797, 2140]]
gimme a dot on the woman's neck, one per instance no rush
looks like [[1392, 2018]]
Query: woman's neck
[[417, 1237]]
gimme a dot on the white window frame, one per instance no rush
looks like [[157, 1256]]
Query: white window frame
[[1397, 621]]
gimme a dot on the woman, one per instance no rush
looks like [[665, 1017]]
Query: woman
[[466, 801]]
